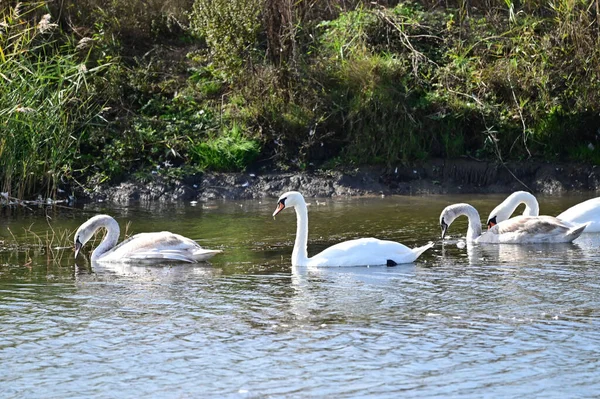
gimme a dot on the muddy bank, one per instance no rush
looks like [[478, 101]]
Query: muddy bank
[[433, 177]]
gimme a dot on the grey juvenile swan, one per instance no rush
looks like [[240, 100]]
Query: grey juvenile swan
[[584, 212], [159, 246]]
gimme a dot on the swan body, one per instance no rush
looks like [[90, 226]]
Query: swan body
[[585, 212], [159, 246], [517, 230], [359, 252]]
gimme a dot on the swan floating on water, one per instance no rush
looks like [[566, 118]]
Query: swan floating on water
[[159, 246], [359, 252], [517, 230], [584, 212]]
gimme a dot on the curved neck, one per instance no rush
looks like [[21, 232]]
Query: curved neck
[[474, 230], [532, 208], [300, 254], [110, 240]]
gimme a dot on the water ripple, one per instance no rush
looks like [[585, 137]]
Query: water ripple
[[499, 321]]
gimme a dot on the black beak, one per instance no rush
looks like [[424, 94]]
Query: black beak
[[444, 227], [78, 246], [280, 207]]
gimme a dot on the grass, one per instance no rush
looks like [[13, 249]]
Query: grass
[[44, 104], [228, 151], [52, 244]]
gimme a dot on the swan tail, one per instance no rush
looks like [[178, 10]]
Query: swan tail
[[204, 254], [575, 232], [419, 250]]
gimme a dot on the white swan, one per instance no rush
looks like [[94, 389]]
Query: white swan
[[360, 252], [517, 230], [584, 212], [160, 246]]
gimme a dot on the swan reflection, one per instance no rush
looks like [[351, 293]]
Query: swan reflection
[[523, 254]]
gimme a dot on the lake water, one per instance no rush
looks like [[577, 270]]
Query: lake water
[[488, 321]]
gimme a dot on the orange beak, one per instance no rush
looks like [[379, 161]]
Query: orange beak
[[491, 224], [280, 206]]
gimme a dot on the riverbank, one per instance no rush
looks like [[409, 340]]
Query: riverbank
[[96, 91], [433, 177]]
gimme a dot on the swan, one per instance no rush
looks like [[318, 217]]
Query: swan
[[359, 252], [504, 211], [517, 230], [584, 212], [159, 246]]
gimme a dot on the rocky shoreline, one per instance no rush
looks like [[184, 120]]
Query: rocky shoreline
[[433, 177]]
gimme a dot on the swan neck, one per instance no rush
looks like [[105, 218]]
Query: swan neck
[[532, 208], [110, 240], [300, 254], [474, 230]]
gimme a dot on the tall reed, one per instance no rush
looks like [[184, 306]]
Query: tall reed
[[44, 101]]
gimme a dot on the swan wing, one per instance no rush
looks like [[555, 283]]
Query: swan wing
[[532, 229], [367, 252], [585, 212], [162, 245]]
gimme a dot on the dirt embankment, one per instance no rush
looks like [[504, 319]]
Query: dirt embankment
[[432, 177]]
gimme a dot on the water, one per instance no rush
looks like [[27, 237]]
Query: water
[[495, 321]]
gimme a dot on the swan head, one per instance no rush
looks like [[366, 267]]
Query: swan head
[[446, 218], [87, 230], [450, 213], [291, 198], [498, 214]]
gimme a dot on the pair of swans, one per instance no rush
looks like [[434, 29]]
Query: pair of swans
[[517, 230], [168, 246], [585, 212], [528, 228]]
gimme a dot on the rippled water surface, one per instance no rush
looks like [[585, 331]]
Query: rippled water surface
[[483, 321]]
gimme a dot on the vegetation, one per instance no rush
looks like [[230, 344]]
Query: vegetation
[[93, 91]]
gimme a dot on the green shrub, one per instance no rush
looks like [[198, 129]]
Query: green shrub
[[230, 29], [228, 151]]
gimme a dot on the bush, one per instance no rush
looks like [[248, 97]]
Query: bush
[[230, 29]]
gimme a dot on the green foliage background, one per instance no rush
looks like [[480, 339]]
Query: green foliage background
[[94, 91]]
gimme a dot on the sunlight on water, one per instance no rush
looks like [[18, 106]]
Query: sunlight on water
[[477, 321]]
